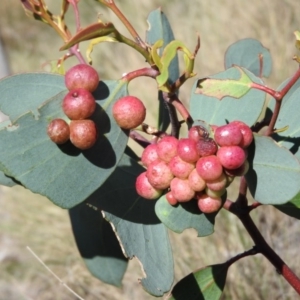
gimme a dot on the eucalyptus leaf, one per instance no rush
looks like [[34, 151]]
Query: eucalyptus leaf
[[274, 174], [250, 54], [25, 92], [6, 180], [210, 109], [205, 284], [185, 215], [63, 173], [98, 244], [220, 88], [92, 31], [140, 232]]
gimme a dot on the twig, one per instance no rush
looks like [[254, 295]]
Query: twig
[[111, 4], [139, 139], [242, 200], [49, 270], [148, 72], [175, 125], [252, 251], [76, 13], [278, 96], [262, 246]]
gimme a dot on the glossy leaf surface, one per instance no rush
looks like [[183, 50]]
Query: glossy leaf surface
[[250, 54], [214, 111], [274, 174], [28, 155], [98, 244], [91, 32], [140, 232], [205, 284]]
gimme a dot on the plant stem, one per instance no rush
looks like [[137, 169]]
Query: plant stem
[[111, 4], [288, 86], [261, 65], [262, 246], [265, 89], [175, 125], [76, 13], [278, 96], [139, 139], [149, 72], [173, 99], [275, 115], [63, 34], [74, 50], [122, 39], [242, 200], [249, 252], [269, 253], [254, 206]]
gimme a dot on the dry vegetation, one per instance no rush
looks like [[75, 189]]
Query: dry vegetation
[[29, 219]]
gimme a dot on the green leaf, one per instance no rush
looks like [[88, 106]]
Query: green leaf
[[184, 216], [25, 92], [291, 208], [6, 180], [64, 174], [160, 29], [274, 174], [247, 109], [250, 54], [169, 53], [205, 284], [98, 244], [90, 32], [289, 116], [140, 232], [220, 88]]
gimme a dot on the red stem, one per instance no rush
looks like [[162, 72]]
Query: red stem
[[288, 86], [139, 139], [269, 253], [262, 246], [76, 13], [149, 72], [174, 100], [265, 89], [74, 50]]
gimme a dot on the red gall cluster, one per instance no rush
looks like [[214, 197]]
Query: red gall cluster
[[198, 167], [78, 105], [129, 112]]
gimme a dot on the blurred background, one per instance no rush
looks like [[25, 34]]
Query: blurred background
[[29, 219]]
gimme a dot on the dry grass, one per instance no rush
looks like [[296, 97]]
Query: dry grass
[[29, 219]]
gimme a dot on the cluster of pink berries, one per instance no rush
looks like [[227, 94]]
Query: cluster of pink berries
[[78, 105], [197, 167]]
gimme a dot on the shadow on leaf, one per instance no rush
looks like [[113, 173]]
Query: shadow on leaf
[[118, 196]]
